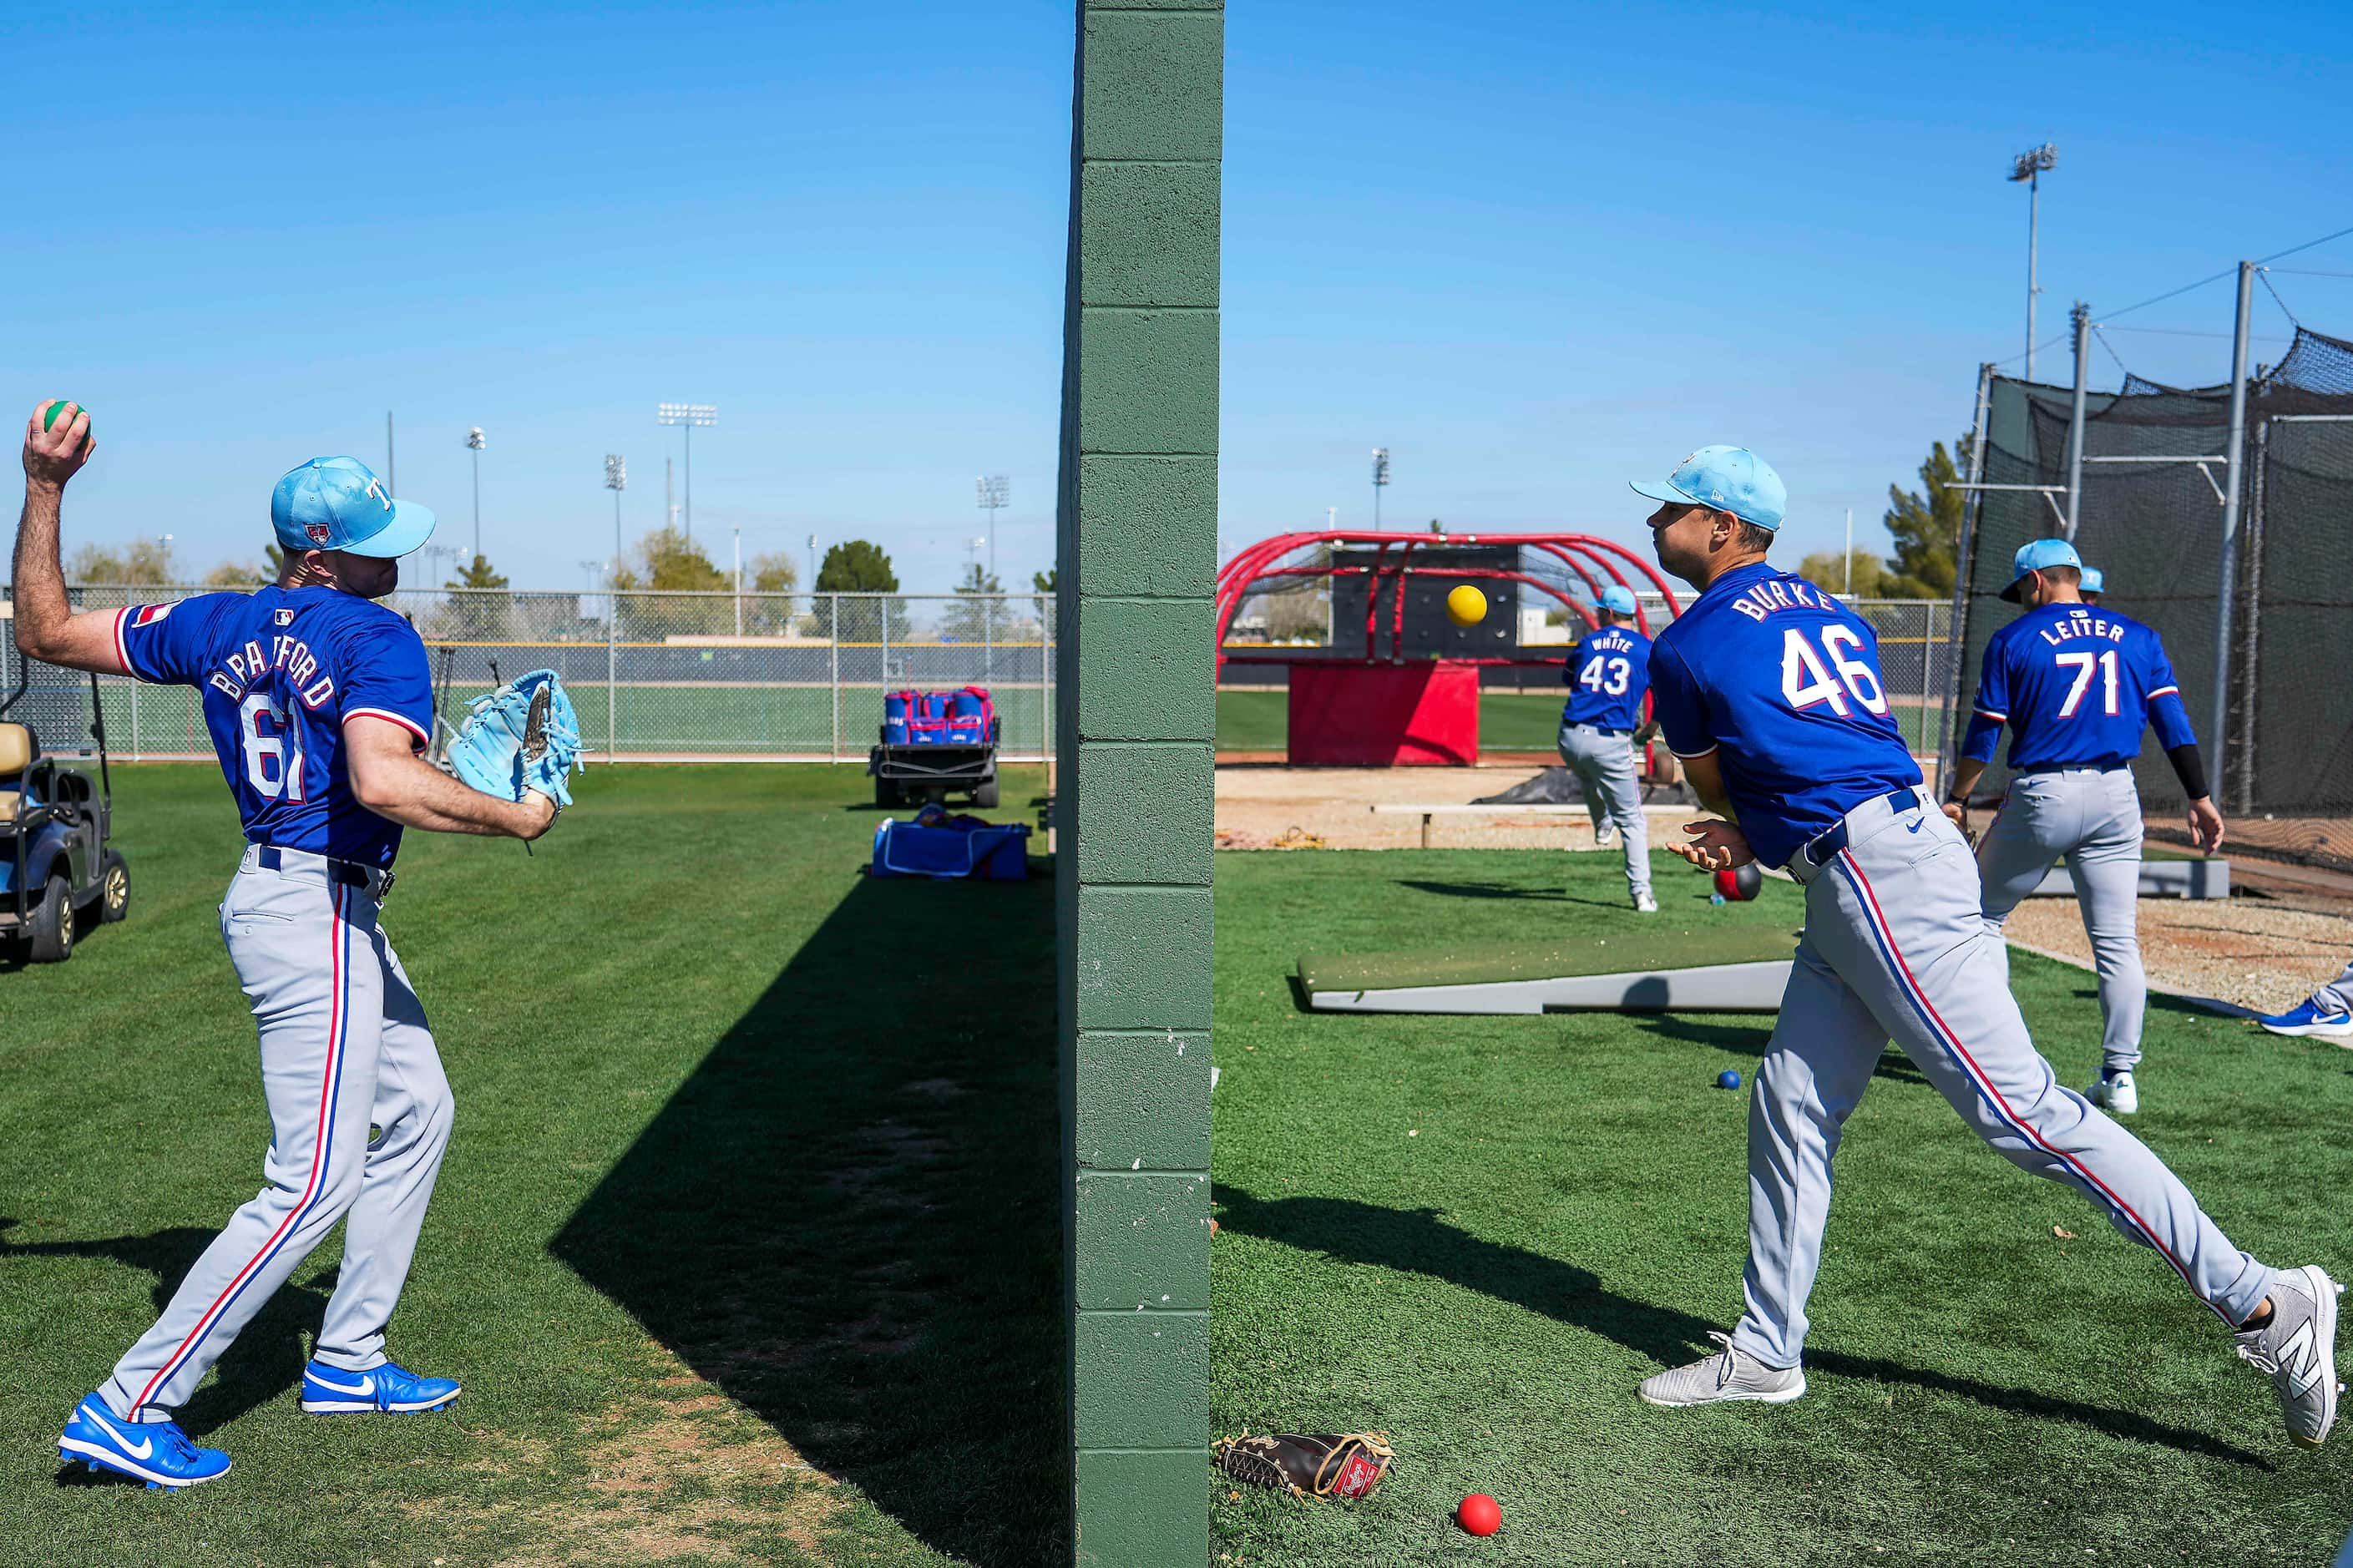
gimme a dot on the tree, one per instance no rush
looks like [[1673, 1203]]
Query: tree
[[969, 620], [669, 562], [1870, 576], [143, 563], [855, 566], [477, 574], [239, 574], [1047, 582], [775, 573], [1927, 528]]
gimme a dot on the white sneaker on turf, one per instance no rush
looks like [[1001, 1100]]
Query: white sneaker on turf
[[1723, 1377], [1645, 905], [2297, 1351], [2115, 1093]]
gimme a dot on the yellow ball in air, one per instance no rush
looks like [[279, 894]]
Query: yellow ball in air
[[1466, 606]]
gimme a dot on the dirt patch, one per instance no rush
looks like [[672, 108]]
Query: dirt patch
[[683, 1476], [2251, 951], [1281, 808]]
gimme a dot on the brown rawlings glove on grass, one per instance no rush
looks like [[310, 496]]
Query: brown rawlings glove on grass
[[1324, 1464]]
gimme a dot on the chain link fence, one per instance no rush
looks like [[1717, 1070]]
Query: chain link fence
[[661, 677]]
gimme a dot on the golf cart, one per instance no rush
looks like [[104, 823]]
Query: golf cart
[[57, 875]]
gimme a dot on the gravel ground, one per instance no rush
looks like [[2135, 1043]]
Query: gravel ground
[[2264, 948]]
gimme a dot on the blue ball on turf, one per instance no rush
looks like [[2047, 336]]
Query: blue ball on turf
[[1728, 1079]]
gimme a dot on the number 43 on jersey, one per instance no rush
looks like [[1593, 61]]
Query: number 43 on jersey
[[1814, 676]]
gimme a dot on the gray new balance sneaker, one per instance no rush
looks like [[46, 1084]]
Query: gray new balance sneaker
[[2297, 1351], [1724, 1376]]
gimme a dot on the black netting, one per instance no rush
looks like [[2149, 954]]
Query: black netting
[[2155, 527]]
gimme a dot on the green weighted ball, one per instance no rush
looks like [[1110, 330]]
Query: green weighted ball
[[50, 414]]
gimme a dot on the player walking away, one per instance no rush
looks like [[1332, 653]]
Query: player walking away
[[2096, 582], [1769, 690], [1607, 677], [2327, 1014], [319, 705], [2078, 687]]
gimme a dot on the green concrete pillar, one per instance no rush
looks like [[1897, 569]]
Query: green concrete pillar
[[1137, 552]]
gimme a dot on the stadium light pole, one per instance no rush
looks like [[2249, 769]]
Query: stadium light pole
[[474, 444], [1380, 482], [2028, 167], [995, 490], [616, 479], [739, 582], [688, 416]]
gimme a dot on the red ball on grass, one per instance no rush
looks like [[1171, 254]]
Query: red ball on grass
[[1479, 1514]]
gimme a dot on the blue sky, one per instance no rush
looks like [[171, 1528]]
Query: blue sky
[[1533, 249]]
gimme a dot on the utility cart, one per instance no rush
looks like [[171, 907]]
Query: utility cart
[[934, 744]]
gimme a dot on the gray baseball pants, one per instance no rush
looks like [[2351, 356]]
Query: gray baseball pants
[[360, 1115], [2092, 820], [1603, 762], [2336, 996], [1895, 947]]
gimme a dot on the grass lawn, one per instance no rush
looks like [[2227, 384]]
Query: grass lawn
[[1480, 1234], [746, 1248], [1258, 720]]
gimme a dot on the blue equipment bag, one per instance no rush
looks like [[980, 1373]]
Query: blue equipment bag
[[898, 707], [940, 846]]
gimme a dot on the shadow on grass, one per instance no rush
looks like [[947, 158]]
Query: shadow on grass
[[848, 1219], [1749, 1040], [267, 1359], [1418, 1241]]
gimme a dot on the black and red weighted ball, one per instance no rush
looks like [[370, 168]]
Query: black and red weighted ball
[[1739, 883]]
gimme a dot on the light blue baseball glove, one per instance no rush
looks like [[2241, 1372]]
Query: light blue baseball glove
[[523, 736]]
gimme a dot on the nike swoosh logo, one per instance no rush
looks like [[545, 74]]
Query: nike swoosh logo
[[1912, 828], [365, 1385], [138, 1450]]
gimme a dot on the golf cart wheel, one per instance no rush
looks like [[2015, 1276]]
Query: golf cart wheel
[[113, 890], [984, 794], [53, 924], [886, 792]]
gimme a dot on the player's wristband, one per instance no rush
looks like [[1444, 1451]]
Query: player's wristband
[[1961, 800]]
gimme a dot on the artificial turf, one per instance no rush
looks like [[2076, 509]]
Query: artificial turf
[[1478, 1234], [746, 1248]]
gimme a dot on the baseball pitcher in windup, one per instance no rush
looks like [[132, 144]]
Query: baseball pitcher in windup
[[2078, 687], [1770, 692], [320, 708]]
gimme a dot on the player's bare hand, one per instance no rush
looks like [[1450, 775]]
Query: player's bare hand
[[1716, 846], [54, 456], [1958, 815], [539, 814], [2205, 825]]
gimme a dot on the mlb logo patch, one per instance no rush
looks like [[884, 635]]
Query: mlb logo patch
[[285, 617], [318, 533], [149, 614]]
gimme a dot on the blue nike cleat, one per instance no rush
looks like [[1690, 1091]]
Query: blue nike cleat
[[327, 1390], [2309, 1018], [156, 1452]]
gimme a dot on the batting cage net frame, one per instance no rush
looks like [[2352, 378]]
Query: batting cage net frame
[[2151, 487], [655, 676], [1345, 596]]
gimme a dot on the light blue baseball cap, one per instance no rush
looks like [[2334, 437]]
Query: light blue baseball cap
[[1617, 599], [2039, 555], [338, 503], [1727, 478], [2092, 582]]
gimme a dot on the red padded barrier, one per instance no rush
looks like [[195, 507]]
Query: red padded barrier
[[1423, 713]]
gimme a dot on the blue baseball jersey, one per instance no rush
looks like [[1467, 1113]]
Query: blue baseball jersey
[[280, 672], [2078, 685], [1607, 677], [1781, 682]]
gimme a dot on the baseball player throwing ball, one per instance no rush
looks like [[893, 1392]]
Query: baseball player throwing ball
[[1607, 677], [1770, 691], [2078, 687], [319, 705]]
